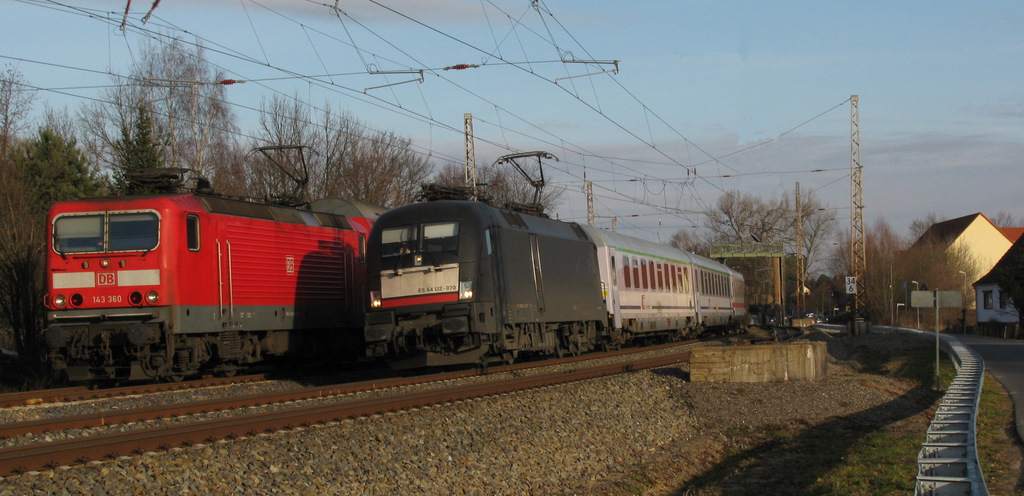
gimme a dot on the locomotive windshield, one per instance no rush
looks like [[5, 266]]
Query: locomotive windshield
[[439, 241], [97, 233]]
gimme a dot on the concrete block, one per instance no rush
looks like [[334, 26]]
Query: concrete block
[[759, 363]]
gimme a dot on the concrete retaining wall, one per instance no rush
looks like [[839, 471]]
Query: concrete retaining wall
[[759, 363]]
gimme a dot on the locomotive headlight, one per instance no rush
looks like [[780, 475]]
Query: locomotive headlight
[[465, 290], [59, 301], [375, 299], [152, 297]]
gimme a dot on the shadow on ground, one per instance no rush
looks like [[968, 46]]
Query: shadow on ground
[[795, 465]]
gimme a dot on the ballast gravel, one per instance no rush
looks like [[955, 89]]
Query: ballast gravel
[[567, 439]]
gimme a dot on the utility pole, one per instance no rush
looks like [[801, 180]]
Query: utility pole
[[858, 259], [801, 277], [470, 155]]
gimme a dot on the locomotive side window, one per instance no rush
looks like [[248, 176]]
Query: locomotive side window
[[397, 241], [78, 234], [192, 232]]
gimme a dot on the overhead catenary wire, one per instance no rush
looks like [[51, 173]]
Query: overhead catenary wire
[[617, 165]]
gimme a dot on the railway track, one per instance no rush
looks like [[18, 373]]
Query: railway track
[[87, 393], [40, 456]]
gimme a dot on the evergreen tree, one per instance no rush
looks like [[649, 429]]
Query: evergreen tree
[[43, 171], [138, 148]]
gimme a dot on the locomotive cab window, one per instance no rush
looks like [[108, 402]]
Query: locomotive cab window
[[397, 241], [441, 238], [438, 240], [133, 232], [97, 233], [78, 234]]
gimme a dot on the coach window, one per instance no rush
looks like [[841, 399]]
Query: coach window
[[660, 269], [643, 273], [650, 267], [627, 280], [636, 272], [192, 232]]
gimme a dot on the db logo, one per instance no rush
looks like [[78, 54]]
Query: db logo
[[106, 279]]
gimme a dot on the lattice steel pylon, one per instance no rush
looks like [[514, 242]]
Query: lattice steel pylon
[[858, 258], [470, 154]]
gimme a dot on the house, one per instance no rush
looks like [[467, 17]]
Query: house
[[975, 234], [996, 313]]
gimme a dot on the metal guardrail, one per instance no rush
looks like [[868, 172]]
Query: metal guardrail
[[948, 461]]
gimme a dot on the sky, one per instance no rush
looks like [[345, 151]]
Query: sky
[[663, 106]]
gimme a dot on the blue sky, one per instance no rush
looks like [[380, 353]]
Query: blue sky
[[755, 91]]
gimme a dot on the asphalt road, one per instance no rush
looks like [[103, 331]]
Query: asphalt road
[[1004, 359]]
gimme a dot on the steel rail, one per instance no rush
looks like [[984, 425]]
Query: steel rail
[[54, 454], [85, 393]]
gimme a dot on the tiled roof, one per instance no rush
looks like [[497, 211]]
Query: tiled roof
[[1012, 233]]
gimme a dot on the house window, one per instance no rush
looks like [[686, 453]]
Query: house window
[[1003, 303], [987, 299]]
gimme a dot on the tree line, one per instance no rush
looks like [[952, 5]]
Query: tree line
[[896, 265]]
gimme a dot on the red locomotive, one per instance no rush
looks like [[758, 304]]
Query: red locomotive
[[166, 286]]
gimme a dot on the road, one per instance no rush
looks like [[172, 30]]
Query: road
[[1003, 359]]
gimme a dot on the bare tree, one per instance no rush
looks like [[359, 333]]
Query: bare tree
[[742, 217], [819, 229], [182, 92], [687, 240], [505, 185], [1004, 219], [919, 226], [16, 98], [339, 155]]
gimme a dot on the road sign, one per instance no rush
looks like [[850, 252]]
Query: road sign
[[851, 285], [927, 299]]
